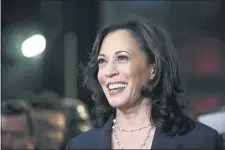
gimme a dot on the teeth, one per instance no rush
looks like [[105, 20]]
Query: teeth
[[117, 85]]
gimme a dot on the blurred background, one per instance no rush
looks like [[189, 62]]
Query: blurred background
[[44, 42]]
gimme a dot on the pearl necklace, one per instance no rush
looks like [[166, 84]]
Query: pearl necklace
[[133, 130]]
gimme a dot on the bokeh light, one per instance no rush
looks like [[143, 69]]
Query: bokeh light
[[34, 45]]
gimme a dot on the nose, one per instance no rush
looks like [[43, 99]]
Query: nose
[[111, 70]]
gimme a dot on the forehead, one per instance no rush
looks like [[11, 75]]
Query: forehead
[[121, 39], [14, 122]]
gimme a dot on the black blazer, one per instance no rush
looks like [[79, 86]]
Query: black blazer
[[201, 137]]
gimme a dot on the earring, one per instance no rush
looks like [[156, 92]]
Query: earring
[[152, 74]]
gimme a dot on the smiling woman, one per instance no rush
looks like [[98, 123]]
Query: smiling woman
[[134, 76], [123, 69]]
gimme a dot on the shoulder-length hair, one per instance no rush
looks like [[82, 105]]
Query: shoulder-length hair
[[166, 113]]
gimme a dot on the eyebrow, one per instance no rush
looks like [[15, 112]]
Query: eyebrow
[[116, 53], [101, 55]]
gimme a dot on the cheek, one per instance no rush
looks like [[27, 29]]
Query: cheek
[[136, 76], [124, 70], [131, 71], [136, 69], [139, 70], [101, 78]]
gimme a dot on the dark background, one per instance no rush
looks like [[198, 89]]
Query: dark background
[[197, 28]]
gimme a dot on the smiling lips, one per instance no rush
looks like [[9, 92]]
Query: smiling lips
[[117, 87]]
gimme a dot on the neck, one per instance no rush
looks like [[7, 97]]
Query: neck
[[134, 117]]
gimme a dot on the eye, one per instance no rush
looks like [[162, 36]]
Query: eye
[[101, 61], [122, 58]]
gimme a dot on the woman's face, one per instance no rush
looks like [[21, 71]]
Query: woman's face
[[123, 69]]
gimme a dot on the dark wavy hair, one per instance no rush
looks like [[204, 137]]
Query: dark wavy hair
[[166, 112]]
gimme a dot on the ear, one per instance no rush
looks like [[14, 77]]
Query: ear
[[152, 71]]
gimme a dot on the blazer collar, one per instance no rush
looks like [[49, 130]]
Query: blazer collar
[[105, 134], [160, 139], [163, 141]]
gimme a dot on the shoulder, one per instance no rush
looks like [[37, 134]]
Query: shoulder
[[202, 130], [202, 136], [84, 140]]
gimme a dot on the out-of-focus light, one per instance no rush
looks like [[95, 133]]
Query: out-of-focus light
[[205, 56], [84, 127], [215, 119], [34, 45], [82, 112]]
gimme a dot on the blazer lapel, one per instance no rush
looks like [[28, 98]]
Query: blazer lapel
[[160, 140], [163, 141], [104, 140]]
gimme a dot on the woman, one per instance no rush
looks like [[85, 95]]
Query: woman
[[133, 74]]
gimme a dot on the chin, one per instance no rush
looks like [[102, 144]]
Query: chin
[[116, 105], [117, 102]]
